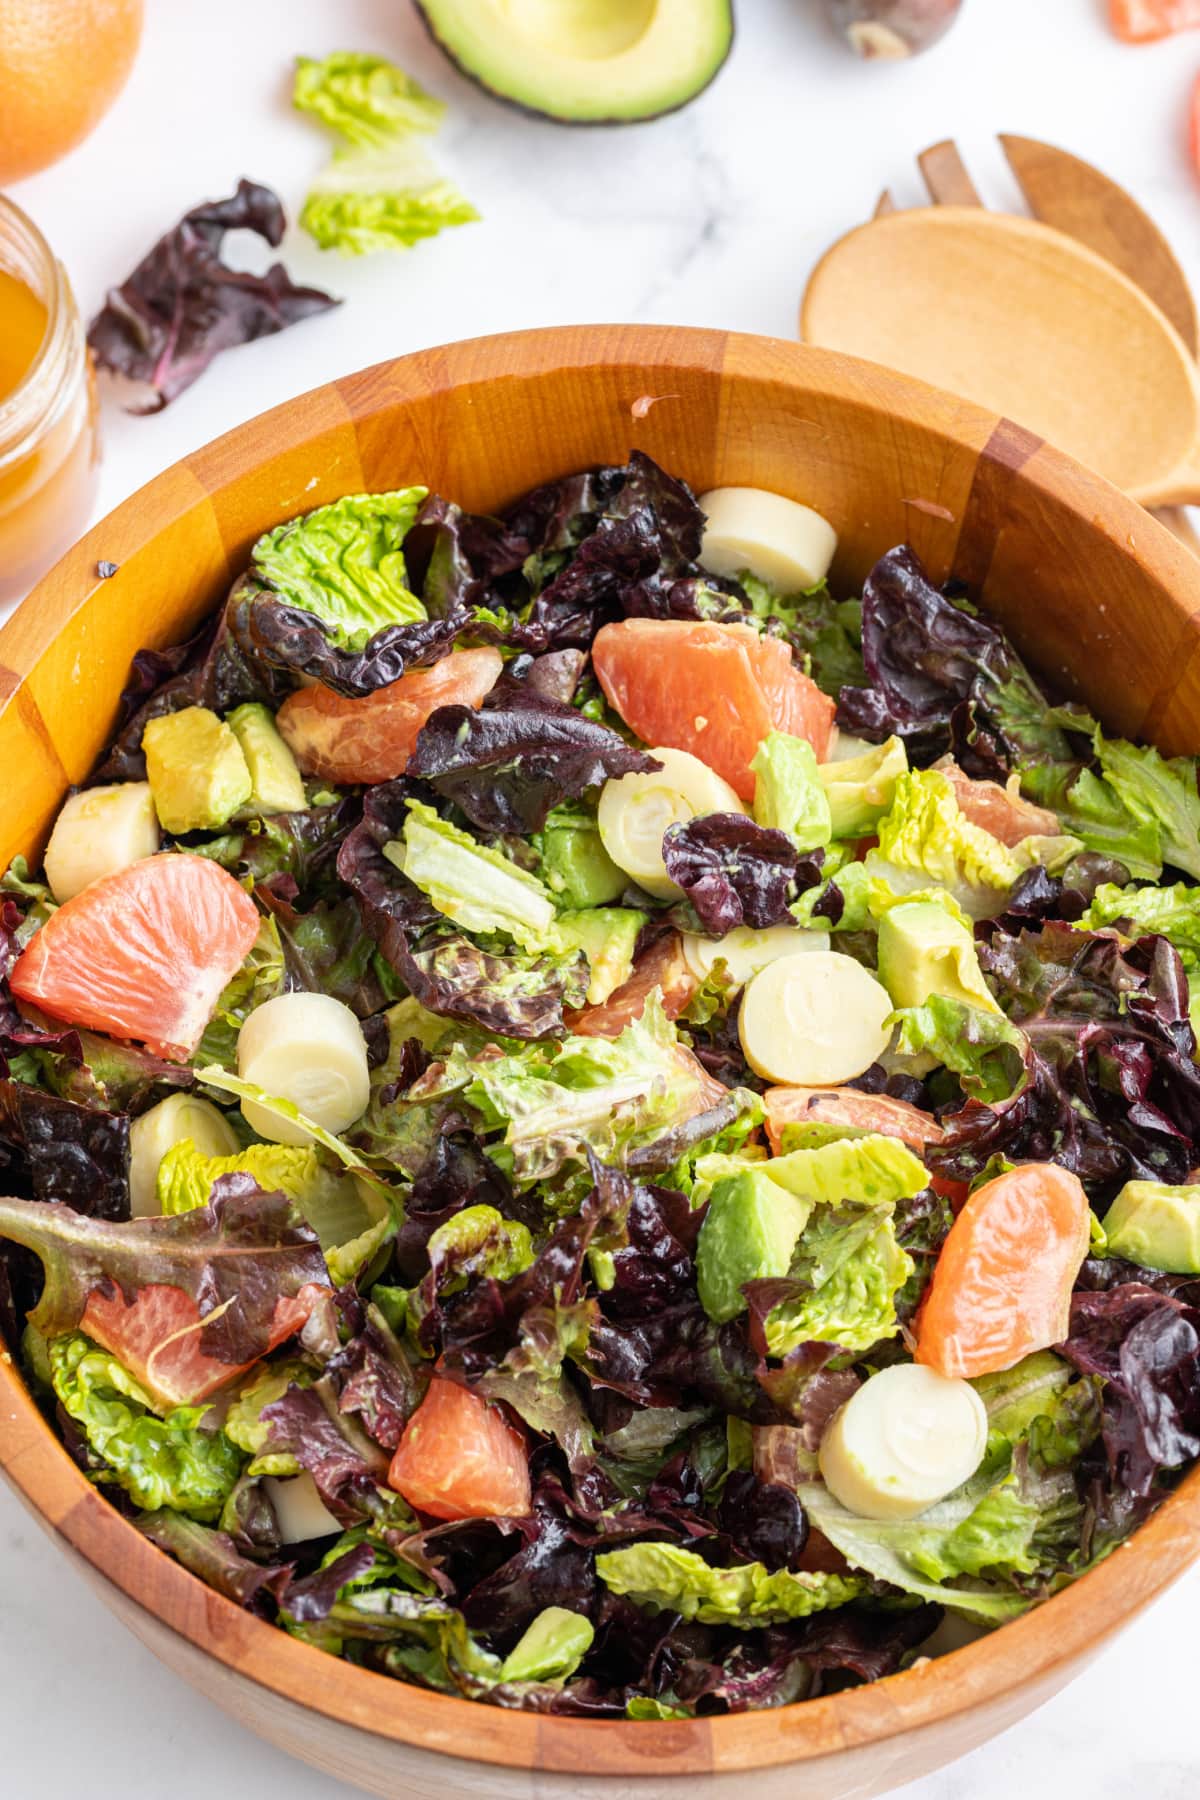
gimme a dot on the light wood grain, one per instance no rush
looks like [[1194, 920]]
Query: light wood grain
[[1074, 196], [1027, 322], [889, 460]]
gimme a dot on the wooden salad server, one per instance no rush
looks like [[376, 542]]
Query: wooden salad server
[[1147, 448]]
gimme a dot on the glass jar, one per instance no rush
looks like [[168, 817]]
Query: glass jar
[[49, 449]]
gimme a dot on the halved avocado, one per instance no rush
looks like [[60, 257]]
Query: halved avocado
[[586, 62]]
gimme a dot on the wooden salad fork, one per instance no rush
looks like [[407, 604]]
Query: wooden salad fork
[[1078, 199]]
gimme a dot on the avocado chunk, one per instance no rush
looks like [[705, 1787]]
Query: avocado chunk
[[276, 783], [592, 62], [924, 950], [860, 789], [552, 1647], [608, 936], [749, 1233], [1157, 1226], [575, 865], [196, 770]]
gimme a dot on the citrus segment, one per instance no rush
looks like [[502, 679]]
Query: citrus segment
[[847, 1106], [459, 1458], [157, 1336], [371, 740], [1002, 1284], [142, 954], [714, 690]]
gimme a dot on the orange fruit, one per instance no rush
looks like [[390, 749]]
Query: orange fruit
[[459, 1458], [1002, 1284], [157, 1336], [847, 1106], [371, 739], [62, 64], [143, 953], [661, 966], [714, 690]]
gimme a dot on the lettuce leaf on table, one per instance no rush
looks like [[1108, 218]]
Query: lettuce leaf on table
[[182, 305], [382, 189]]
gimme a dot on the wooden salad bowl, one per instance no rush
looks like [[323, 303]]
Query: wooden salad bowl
[[1105, 602]]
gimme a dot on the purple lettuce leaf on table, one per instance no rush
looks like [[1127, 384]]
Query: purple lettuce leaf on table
[[735, 872], [182, 305]]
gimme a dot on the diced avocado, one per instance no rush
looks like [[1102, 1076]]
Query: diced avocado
[[551, 1649], [197, 773], [788, 793], [1157, 1226], [276, 783], [589, 62], [749, 1233], [575, 865], [860, 789], [607, 935], [923, 950]]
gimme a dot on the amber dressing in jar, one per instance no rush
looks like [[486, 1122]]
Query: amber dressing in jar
[[48, 446]]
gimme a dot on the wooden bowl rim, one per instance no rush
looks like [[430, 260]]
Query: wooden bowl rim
[[1062, 1631]]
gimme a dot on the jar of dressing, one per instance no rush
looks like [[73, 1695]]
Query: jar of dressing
[[49, 449]]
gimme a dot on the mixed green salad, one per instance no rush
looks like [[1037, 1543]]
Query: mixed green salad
[[594, 1127]]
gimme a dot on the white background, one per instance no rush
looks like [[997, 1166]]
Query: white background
[[711, 217]]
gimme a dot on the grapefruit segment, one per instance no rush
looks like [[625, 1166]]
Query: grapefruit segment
[[662, 966], [1000, 810], [143, 953], [156, 1336], [371, 740], [1002, 1284], [459, 1458], [848, 1106], [713, 690]]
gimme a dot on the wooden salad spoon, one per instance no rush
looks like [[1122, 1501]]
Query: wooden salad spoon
[[1027, 322], [1074, 196]]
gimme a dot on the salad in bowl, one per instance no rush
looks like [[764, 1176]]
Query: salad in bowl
[[594, 1127]]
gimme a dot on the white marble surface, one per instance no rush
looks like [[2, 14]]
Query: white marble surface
[[711, 217]]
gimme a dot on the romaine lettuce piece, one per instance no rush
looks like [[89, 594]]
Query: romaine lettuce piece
[[382, 200], [1158, 793], [352, 1215], [244, 1424], [926, 839], [985, 1050], [873, 1170], [479, 1241], [365, 98], [383, 190], [478, 888], [556, 1101], [847, 1268], [788, 793], [344, 564], [1015, 1529], [159, 1461], [666, 1578]]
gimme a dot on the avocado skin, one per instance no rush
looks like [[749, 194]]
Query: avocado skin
[[537, 112]]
